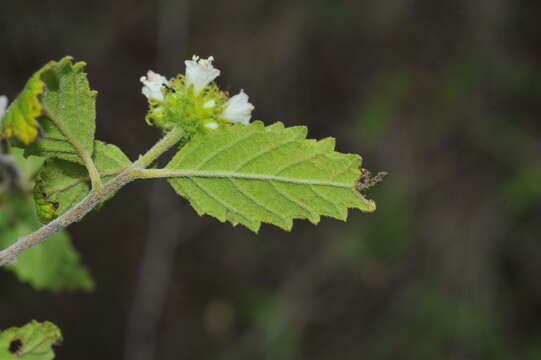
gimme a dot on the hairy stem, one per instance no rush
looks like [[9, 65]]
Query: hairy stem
[[10, 254], [159, 148], [93, 173]]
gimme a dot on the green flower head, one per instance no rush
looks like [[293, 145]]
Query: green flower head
[[193, 100]]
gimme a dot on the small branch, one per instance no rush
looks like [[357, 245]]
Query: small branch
[[161, 146], [10, 254]]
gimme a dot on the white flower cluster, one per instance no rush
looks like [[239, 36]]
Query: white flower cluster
[[200, 73]]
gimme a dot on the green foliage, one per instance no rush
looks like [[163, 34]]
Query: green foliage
[[69, 107], [61, 184], [34, 341], [254, 174], [28, 166], [244, 174], [52, 265]]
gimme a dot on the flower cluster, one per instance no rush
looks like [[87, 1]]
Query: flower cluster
[[193, 100]]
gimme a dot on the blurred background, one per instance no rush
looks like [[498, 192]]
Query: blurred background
[[444, 95]]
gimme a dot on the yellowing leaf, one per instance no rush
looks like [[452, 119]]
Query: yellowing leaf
[[58, 103], [20, 120]]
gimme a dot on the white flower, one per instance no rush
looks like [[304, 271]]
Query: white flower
[[200, 72], [3, 105], [153, 85], [238, 109]]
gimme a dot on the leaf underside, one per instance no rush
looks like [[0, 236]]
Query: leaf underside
[[34, 341], [53, 264], [253, 174], [61, 184]]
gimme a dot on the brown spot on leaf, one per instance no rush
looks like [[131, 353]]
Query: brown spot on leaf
[[15, 346]]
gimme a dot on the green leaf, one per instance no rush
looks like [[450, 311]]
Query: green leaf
[[20, 120], [51, 265], [69, 109], [34, 341], [29, 166], [62, 184], [254, 174]]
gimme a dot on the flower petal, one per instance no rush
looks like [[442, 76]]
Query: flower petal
[[200, 72], [153, 83], [238, 109]]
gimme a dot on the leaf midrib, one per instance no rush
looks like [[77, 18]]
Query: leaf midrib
[[187, 173], [85, 155]]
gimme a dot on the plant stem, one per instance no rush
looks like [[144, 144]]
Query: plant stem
[[93, 172], [172, 137], [76, 213]]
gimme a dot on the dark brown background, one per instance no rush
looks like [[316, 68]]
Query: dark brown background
[[442, 94]]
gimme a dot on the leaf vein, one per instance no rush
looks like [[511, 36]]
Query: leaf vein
[[291, 199], [228, 146], [294, 163], [318, 194], [257, 202], [264, 152], [219, 200]]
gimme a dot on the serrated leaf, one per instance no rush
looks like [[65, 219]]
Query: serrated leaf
[[69, 109], [20, 120], [51, 265], [34, 341], [62, 184], [254, 174]]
